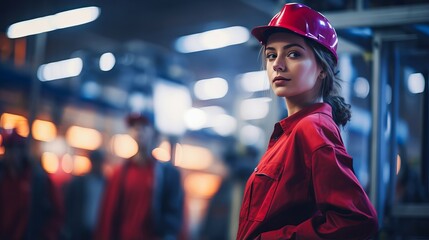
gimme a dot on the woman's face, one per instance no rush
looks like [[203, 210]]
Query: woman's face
[[292, 68]]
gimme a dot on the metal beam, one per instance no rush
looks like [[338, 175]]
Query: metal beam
[[378, 142], [380, 17], [361, 17]]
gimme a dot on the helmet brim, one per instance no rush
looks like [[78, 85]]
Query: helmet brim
[[262, 33]]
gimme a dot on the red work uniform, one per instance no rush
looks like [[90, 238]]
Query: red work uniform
[[304, 186], [29, 206], [15, 195], [126, 212]]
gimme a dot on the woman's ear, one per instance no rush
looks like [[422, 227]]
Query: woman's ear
[[322, 75]]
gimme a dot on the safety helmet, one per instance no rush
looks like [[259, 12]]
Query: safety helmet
[[304, 21], [10, 138], [144, 118]]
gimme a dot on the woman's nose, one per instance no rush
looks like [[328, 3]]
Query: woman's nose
[[279, 65]]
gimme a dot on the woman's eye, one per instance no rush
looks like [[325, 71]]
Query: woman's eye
[[294, 54], [270, 56]]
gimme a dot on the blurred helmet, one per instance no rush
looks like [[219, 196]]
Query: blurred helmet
[[139, 119], [303, 21], [10, 138]]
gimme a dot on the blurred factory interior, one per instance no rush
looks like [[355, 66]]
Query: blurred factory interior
[[213, 105]]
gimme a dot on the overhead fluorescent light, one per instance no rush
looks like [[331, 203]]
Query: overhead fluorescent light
[[254, 108], [361, 87], [171, 102], [254, 81], [107, 61], [213, 39], [61, 69], [195, 119], [252, 135], [416, 83], [52, 22], [212, 88], [206, 117], [225, 125]]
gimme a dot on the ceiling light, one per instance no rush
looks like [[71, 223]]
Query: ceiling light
[[212, 88], [213, 39], [254, 81], [416, 83], [212, 113], [254, 108], [61, 69], [171, 102], [252, 135], [107, 61], [361, 87], [52, 22], [195, 119], [225, 125]]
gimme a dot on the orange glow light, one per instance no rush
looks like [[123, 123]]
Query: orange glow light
[[124, 146], [44, 130], [202, 185], [84, 138], [163, 152], [398, 164], [1, 147], [82, 165], [67, 163], [193, 157], [50, 162], [10, 121]]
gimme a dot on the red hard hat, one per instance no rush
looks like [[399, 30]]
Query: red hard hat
[[11, 138], [304, 21], [138, 118]]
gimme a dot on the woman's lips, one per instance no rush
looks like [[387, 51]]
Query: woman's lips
[[280, 78]]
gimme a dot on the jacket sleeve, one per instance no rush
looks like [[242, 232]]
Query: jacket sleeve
[[344, 210], [108, 207]]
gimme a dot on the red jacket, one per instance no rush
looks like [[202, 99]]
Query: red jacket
[[304, 186]]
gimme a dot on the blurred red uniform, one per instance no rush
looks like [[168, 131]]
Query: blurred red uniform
[[29, 202]]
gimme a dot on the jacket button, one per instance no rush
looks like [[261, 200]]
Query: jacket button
[[256, 169]]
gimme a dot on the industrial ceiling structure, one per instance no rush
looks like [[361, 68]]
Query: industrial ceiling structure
[[151, 27]]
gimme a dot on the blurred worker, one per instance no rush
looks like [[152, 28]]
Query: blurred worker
[[304, 186], [83, 199], [144, 197], [29, 202]]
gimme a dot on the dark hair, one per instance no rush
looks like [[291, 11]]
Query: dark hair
[[331, 85]]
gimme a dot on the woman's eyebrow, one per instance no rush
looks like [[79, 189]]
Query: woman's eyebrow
[[287, 46]]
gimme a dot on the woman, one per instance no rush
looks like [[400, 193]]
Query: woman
[[304, 186]]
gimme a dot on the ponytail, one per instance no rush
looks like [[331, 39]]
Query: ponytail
[[340, 109], [331, 87]]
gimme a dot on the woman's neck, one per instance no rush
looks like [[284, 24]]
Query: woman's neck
[[295, 105]]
